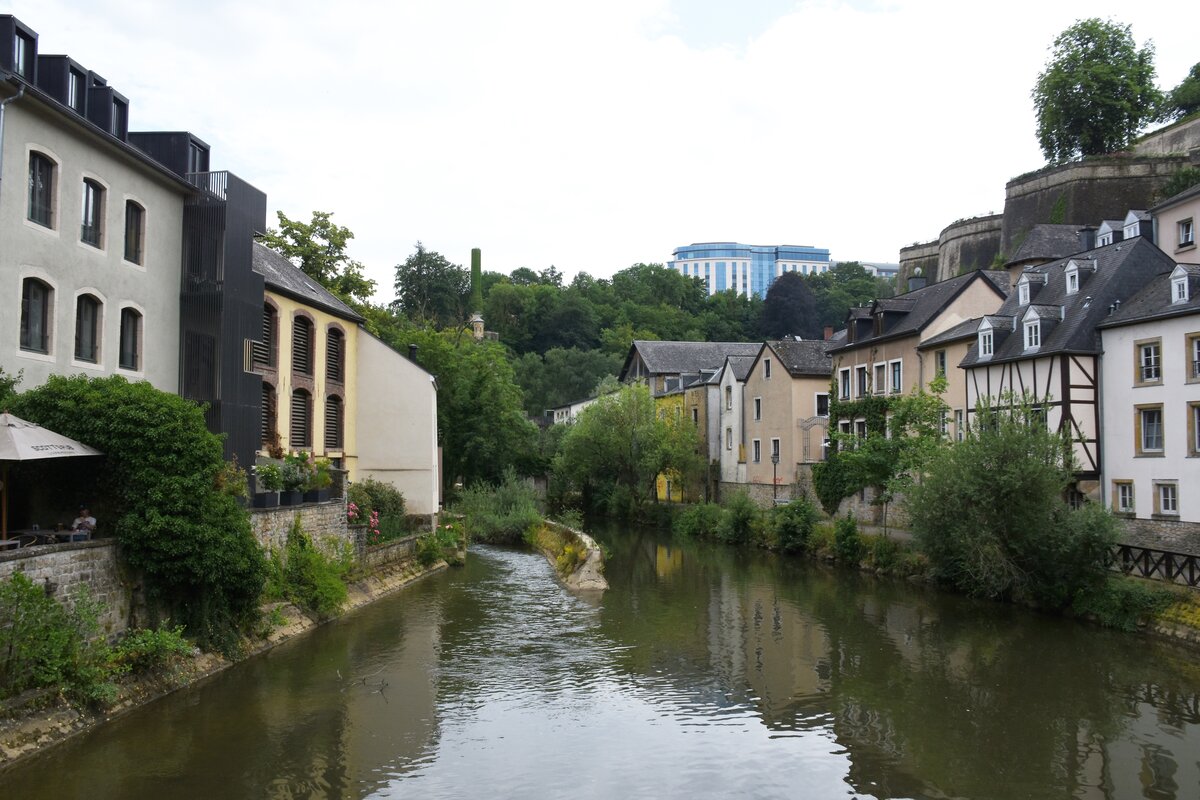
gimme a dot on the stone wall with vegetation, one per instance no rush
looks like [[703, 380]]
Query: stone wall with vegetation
[[321, 521], [64, 569]]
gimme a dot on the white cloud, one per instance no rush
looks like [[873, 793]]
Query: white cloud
[[591, 136]]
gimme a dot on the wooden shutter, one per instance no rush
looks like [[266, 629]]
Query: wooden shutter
[[334, 356], [333, 423], [302, 346], [300, 430]]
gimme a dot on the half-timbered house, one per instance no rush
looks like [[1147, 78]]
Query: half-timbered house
[[1043, 342]]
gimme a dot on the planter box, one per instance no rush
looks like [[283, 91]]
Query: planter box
[[291, 498], [316, 495], [266, 500]]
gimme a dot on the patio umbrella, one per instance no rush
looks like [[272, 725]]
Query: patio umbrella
[[26, 441]]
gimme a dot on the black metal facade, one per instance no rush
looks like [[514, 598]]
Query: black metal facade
[[221, 301]]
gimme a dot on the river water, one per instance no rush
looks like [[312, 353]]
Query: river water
[[702, 672]]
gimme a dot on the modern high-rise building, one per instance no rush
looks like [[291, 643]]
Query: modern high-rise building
[[745, 268]]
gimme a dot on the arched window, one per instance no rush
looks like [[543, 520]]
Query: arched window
[[36, 304], [335, 356], [87, 328], [264, 349], [333, 423], [269, 415], [91, 226], [302, 342], [41, 190], [300, 427], [131, 340], [135, 230]]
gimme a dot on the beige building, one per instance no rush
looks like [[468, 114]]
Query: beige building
[[786, 405]]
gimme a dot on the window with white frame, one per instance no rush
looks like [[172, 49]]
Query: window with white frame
[[1179, 290], [1123, 497], [1023, 293], [1167, 497], [1072, 280], [822, 404], [1194, 429], [860, 374], [729, 438], [939, 362], [958, 424], [897, 377], [1149, 361], [844, 383], [1187, 233], [1033, 334], [880, 378], [860, 428], [985, 343], [1150, 430]]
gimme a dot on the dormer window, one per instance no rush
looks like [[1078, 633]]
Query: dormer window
[[985, 343], [1072, 281], [1023, 293], [1033, 334], [1179, 285]]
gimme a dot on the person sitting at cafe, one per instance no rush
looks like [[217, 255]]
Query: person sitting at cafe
[[85, 522]]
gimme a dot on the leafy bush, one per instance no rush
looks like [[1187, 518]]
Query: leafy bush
[[882, 552], [145, 650], [270, 477], [699, 521], [990, 515], [158, 482], [847, 544], [372, 495], [501, 514], [570, 518], [306, 576], [46, 644], [738, 523], [440, 544], [1121, 602], [793, 524]]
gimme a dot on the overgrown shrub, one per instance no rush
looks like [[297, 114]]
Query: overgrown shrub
[[847, 544], [699, 521], [500, 514], [158, 490], [44, 643], [306, 576], [147, 650], [793, 525], [882, 552], [1121, 602], [737, 525], [372, 495], [440, 544]]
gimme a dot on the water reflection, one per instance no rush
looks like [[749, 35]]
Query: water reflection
[[702, 672]]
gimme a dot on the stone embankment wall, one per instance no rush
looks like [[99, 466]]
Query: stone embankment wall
[[325, 523], [65, 569], [861, 505], [1162, 534], [588, 576]]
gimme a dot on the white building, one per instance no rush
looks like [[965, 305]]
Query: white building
[[731, 422]]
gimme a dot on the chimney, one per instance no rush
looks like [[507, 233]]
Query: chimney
[[828, 332], [412, 353], [1087, 238], [917, 281]]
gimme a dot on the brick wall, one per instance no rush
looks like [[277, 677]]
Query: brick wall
[[64, 568]]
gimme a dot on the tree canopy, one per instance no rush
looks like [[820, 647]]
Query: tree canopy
[[431, 289], [319, 249], [1096, 92], [1184, 99], [790, 309]]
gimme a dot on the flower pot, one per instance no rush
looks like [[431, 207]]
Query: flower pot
[[292, 498], [266, 500], [316, 495]]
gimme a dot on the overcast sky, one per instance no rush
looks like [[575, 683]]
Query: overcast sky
[[594, 136]]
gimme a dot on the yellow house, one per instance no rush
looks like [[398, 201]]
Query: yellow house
[[669, 486], [307, 357]]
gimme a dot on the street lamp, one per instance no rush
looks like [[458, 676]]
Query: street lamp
[[774, 476]]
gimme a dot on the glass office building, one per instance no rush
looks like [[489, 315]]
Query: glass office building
[[747, 269]]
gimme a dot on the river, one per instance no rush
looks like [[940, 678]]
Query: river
[[702, 672]]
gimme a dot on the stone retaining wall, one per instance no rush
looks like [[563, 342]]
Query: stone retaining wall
[[1162, 534], [63, 569], [325, 523]]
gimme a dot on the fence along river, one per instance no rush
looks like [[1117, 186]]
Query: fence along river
[[702, 672]]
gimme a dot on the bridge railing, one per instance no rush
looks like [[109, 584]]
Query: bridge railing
[[1161, 565]]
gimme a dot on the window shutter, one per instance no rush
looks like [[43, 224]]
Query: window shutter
[[333, 423], [301, 427], [264, 348], [333, 356], [267, 423], [302, 346]]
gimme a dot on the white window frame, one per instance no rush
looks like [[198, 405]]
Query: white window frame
[[1073, 280], [896, 376], [1150, 362], [1142, 448], [844, 382], [1033, 334], [817, 404], [861, 387], [1124, 498], [1023, 293], [1187, 232], [986, 342], [1167, 496], [880, 376]]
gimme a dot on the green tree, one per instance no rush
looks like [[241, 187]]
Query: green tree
[[429, 289], [1184, 99], [561, 376], [319, 249], [160, 497], [990, 513], [8, 388], [618, 446], [847, 285], [790, 309], [1096, 92]]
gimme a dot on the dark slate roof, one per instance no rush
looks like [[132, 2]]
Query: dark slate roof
[[837, 340], [1122, 269], [283, 276], [741, 366], [1154, 301], [676, 358], [803, 358], [925, 304], [1046, 243], [963, 330]]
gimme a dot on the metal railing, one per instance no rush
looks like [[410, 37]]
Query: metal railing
[[1150, 373], [1160, 565]]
